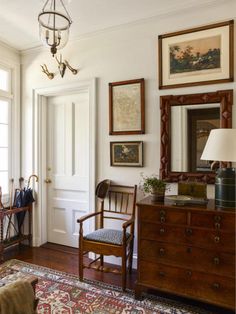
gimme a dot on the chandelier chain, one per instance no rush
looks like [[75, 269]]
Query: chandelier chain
[[66, 10], [45, 5]]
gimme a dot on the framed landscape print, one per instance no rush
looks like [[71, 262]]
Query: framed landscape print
[[127, 154], [126, 107], [197, 56]]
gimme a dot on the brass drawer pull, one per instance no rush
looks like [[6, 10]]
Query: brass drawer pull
[[217, 218], [189, 273], [162, 274], [163, 219], [189, 231], [162, 251], [162, 212], [216, 285], [217, 239], [217, 225], [162, 230], [216, 260]]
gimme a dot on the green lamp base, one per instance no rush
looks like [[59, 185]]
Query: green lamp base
[[225, 188]]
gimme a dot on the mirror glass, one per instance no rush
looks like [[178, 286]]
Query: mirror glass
[[186, 121], [190, 128]]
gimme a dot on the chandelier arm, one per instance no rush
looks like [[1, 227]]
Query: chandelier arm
[[55, 44], [58, 42]]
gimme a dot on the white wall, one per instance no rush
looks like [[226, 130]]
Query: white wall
[[123, 53]]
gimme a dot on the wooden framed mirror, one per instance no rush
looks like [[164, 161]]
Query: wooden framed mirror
[[186, 121]]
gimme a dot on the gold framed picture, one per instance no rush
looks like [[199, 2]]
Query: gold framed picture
[[126, 154], [197, 56]]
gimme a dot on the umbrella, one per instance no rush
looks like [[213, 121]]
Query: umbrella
[[23, 197]]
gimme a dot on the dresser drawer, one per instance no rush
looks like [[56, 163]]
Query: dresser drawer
[[163, 215], [179, 255], [213, 220], [215, 289], [211, 288], [211, 239], [162, 232]]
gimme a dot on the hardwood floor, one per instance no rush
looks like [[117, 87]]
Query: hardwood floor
[[65, 259]]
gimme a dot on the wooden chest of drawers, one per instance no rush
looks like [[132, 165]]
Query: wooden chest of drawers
[[188, 251]]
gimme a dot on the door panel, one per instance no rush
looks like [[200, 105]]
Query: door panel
[[68, 166]]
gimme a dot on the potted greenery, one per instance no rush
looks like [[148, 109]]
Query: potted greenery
[[154, 186]]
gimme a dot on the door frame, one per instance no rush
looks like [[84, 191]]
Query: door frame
[[39, 148]]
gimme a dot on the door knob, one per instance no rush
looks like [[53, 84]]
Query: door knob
[[48, 180]]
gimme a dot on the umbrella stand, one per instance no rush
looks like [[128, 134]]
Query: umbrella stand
[[1, 204], [10, 216]]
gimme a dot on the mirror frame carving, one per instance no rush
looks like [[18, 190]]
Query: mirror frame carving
[[223, 97]]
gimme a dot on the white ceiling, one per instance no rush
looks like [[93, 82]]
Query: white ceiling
[[19, 18]]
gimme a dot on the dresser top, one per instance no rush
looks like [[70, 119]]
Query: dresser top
[[210, 206]]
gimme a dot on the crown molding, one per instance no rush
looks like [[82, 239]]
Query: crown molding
[[9, 47], [186, 6]]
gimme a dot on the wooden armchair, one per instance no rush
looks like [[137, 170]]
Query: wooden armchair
[[119, 205]]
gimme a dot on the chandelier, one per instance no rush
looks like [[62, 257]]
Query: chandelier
[[54, 25]]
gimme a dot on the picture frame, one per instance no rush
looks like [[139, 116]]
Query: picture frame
[[126, 154], [127, 107], [197, 56]]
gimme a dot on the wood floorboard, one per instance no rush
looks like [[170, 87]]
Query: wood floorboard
[[63, 258]]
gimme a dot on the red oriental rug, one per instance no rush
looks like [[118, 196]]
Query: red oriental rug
[[62, 293]]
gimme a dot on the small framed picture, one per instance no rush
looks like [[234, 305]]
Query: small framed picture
[[126, 107], [197, 56], [127, 154]]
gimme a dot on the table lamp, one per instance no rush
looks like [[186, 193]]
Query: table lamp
[[221, 146]]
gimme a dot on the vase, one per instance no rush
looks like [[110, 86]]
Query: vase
[[157, 196]]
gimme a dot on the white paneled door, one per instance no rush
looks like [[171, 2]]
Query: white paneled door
[[67, 166]]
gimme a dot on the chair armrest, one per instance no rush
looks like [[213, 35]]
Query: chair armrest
[[128, 223], [83, 218]]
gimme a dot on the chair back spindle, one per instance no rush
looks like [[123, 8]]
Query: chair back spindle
[[120, 202]]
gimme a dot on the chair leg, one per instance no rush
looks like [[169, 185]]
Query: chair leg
[[131, 257], [123, 270], [81, 268], [101, 260]]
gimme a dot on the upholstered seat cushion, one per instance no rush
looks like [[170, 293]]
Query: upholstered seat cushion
[[107, 236]]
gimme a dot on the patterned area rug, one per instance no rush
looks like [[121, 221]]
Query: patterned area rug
[[61, 293]]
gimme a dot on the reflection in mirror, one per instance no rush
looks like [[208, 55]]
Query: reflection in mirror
[[186, 121], [190, 127]]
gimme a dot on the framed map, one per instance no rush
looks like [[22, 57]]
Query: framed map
[[126, 107]]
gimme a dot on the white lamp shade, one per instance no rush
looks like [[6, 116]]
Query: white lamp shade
[[220, 146]]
